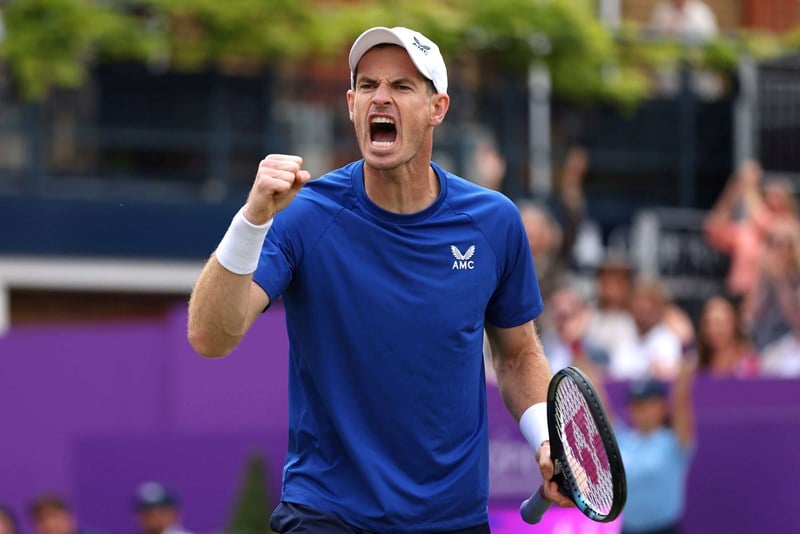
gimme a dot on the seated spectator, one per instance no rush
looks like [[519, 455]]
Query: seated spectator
[[657, 349], [771, 309], [564, 339], [723, 348], [8, 521], [740, 219], [694, 23], [781, 358], [157, 510], [611, 327], [544, 237], [689, 20], [489, 166], [582, 243], [51, 514]]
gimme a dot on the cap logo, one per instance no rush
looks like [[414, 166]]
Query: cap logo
[[422, 47]]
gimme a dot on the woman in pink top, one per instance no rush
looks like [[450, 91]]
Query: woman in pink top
[[737, 224]]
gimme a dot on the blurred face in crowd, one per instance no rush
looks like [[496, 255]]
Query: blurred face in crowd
[[394, 109], [647, 306], [614, 288], [577, 162], [53, 520], [718, 323], [778, 197], [543, 235], [569, 314], [648, 414], [156, 519]]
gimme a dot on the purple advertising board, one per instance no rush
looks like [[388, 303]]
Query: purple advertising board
[[91, 410]]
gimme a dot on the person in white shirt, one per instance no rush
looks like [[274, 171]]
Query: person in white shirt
[[656, 352], [564, 336], [691, 20]]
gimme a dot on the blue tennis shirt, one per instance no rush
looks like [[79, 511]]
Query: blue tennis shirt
[[385, 315]]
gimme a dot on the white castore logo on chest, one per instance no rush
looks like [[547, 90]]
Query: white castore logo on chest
[[463, 261]]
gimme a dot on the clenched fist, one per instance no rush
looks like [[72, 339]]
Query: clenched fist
[[278, 180]]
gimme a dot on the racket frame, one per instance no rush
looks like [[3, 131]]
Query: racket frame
[[568, 485]]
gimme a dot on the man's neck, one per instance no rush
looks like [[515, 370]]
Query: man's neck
[[404, 190]]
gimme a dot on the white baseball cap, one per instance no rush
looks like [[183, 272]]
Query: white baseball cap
[[424, 52]]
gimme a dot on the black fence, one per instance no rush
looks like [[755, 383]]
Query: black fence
[[161, 146]]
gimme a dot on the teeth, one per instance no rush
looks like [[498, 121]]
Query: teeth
[[382, 144], [382, 120]]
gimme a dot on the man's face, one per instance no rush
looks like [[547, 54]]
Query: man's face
[[393, 109], [54, 521]]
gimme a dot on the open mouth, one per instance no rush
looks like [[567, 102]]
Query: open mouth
[[382, 132]]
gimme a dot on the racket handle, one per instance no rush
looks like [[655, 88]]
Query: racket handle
[[533, 508]]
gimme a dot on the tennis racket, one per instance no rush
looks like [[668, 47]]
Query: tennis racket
[[588, 465]]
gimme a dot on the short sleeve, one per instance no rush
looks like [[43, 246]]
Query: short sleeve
[[517, 298]]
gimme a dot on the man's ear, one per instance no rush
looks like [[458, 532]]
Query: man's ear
[[350, 102], [440, 103]]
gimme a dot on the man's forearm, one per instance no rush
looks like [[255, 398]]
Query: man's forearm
[[218, 310], [523, 382]]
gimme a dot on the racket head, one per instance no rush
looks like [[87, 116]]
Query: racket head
[[584, 448]]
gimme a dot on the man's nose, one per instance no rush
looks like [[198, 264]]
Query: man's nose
[[382, 93]]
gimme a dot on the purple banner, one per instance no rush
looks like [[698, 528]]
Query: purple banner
[[90, 411]]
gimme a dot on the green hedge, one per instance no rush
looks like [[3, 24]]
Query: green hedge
[[54, 43]]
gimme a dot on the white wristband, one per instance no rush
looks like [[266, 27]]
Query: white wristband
[[240, 247], [533, 425]]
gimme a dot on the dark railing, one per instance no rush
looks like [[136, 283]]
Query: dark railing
[[154, 141]]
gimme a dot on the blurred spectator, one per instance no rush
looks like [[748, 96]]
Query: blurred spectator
[[782, 357], [8, 521], [611, 326], [690, 20], [489, 166], [51, 514], [581, 244], [740, 219], [157, 510], [545, 238], [723, 348], [564, 337], [657, 348], [771, 308], [657, 450]]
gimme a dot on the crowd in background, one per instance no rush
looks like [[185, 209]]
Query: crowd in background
[[155, 509], [626, 321]]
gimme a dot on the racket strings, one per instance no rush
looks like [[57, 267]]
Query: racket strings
[[588, 465]]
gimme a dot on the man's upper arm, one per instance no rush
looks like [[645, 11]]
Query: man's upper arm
[[510, 342], [258, 300]]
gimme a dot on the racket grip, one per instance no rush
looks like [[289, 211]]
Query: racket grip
[[533, 508]]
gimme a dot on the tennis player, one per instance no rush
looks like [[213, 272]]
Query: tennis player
[[389, 268]]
